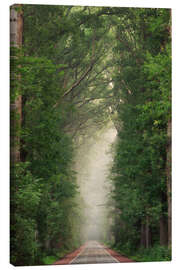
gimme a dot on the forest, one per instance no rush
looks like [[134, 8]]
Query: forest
[[74, 69]]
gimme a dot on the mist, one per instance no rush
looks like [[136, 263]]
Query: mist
[[94, 159]]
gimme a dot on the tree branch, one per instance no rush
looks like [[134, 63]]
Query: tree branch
[[79, 81], [83, 76]]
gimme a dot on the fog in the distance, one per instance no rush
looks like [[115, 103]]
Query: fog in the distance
[[93, 161]]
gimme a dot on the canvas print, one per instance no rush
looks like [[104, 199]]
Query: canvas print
[[90, 106]]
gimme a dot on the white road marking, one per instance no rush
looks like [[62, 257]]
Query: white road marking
[[111, 255], [77, 256], [96, 257]]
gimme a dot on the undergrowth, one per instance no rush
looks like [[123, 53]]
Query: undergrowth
[[156, 253]]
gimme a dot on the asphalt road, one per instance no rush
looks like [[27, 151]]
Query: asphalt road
[[93, 253]]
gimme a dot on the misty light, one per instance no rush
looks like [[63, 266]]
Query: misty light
[[93, 164]]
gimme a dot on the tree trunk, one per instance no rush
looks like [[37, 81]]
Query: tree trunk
[[163, 231], [168, 163], [16, 28], [143, 236], [23, 152], [147, 233], [168, 175]]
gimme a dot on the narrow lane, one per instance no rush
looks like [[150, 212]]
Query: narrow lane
[[93, 253]]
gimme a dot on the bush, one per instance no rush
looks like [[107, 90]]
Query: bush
[[49, 259], [25, 197], [156, 253]]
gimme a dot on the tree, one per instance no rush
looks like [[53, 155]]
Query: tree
[[142, 89]]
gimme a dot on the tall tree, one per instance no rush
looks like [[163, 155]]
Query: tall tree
[[142, 89]]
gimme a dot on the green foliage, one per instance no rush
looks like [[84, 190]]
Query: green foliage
[[49, 260], [25, 197], [14, 82], [143, 84], [79, 68], [157, 253], [43, 185]]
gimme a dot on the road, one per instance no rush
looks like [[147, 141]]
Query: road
[[93, 253]]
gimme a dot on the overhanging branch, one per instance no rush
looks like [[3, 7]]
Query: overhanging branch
[[83, 76]]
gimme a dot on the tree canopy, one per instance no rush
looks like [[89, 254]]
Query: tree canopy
[[78, 69]]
